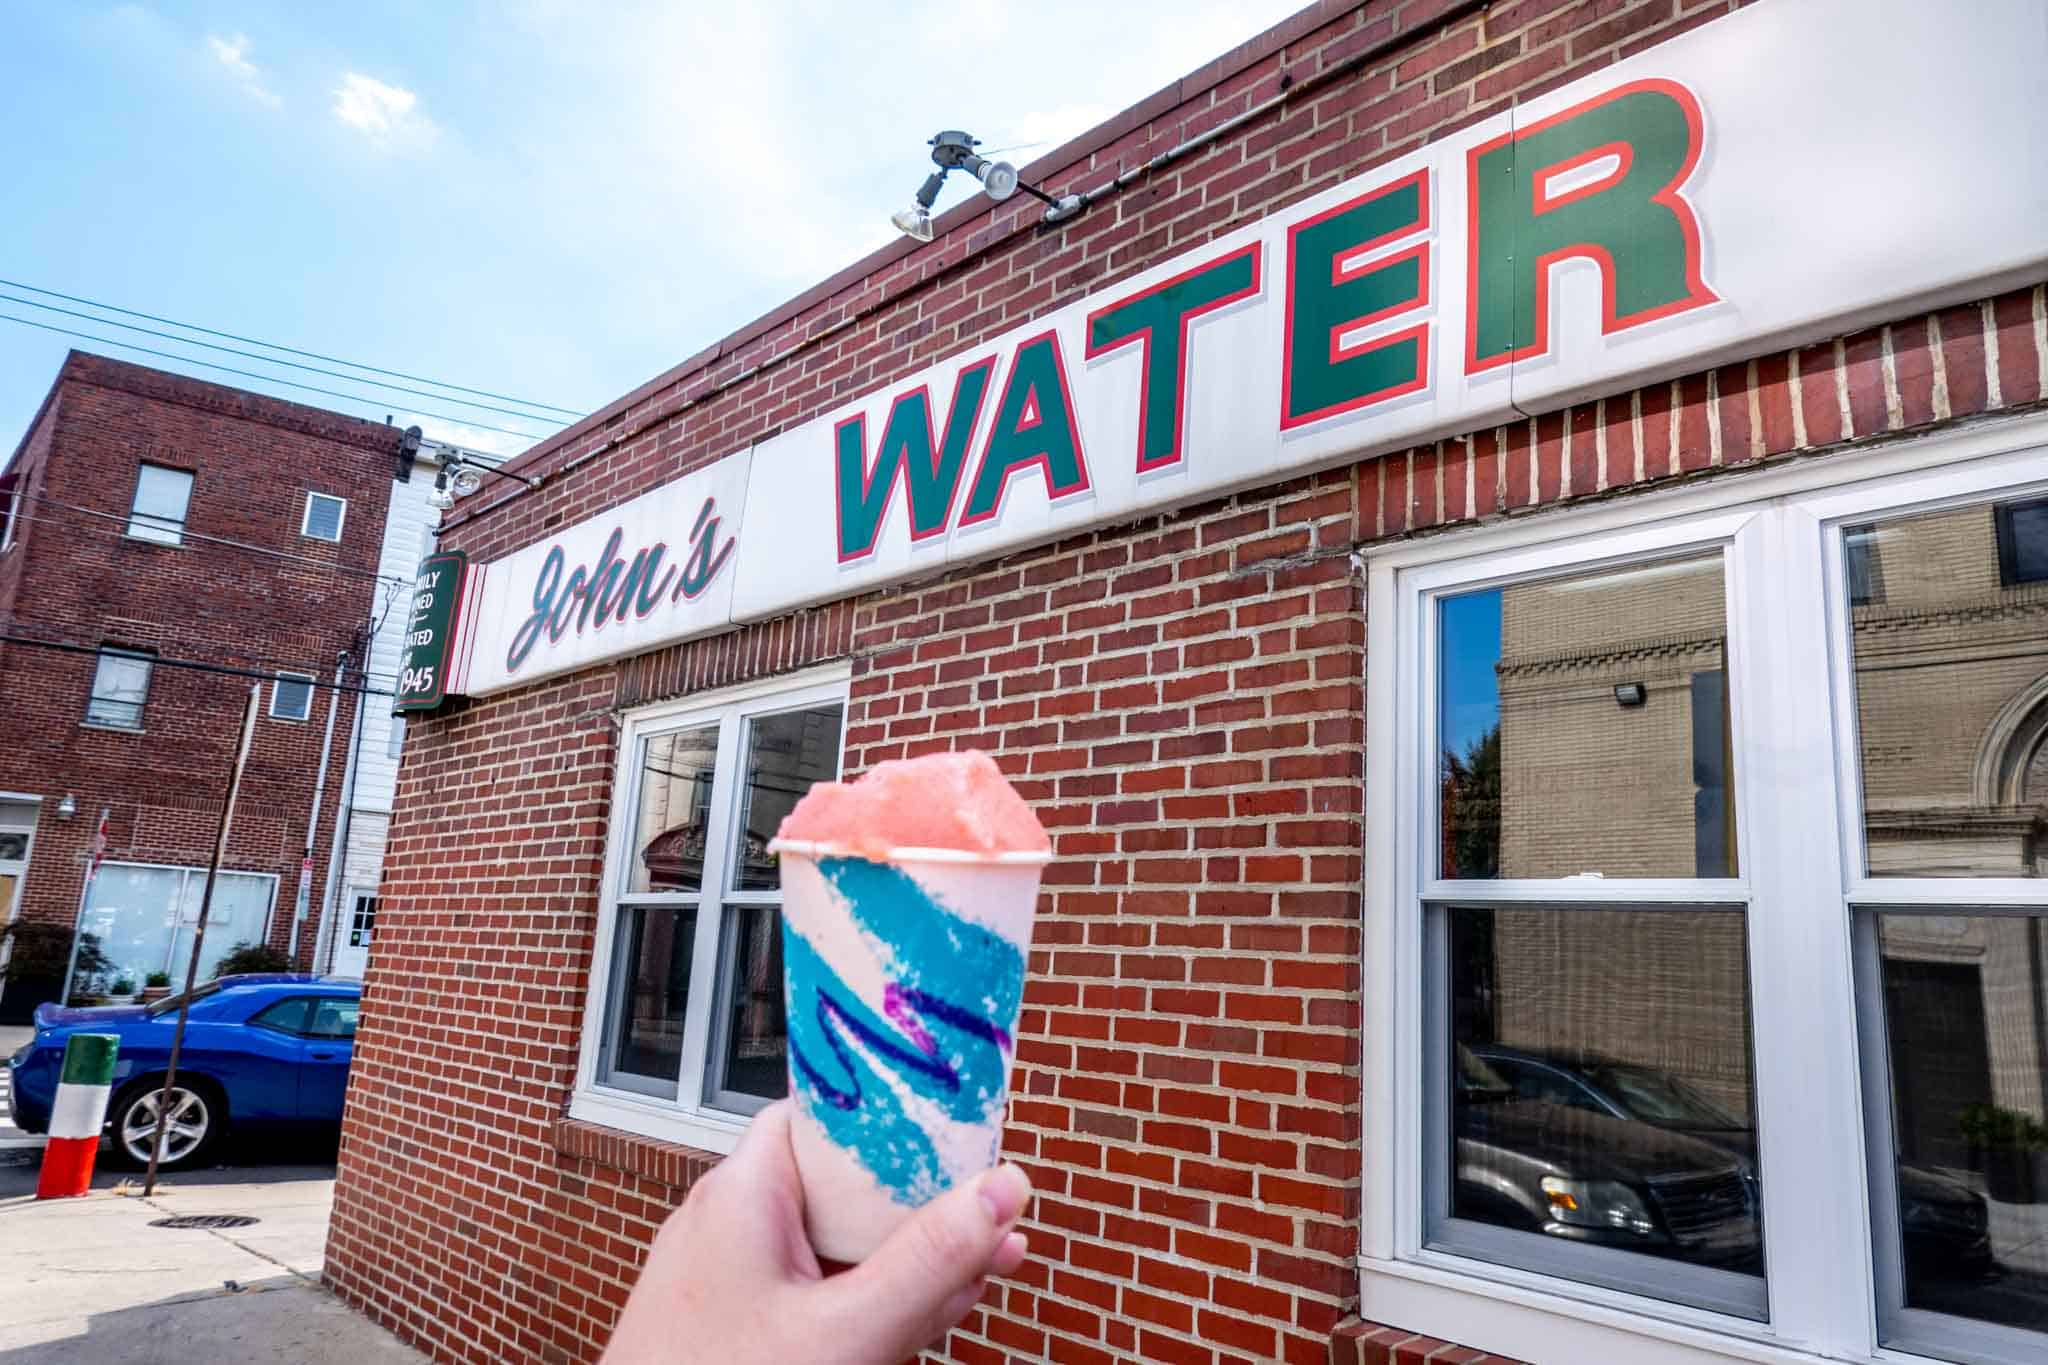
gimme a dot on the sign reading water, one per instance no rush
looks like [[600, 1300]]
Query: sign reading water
[[1719, 196]]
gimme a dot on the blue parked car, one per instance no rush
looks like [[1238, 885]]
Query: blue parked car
[[265, 1051]]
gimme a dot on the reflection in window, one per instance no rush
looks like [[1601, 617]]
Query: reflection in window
[[651, 983], [756, 1060], [1966, 1028], [1583, 724], [786, 753], [674, 810], [1952, 694], [1604, 1088]]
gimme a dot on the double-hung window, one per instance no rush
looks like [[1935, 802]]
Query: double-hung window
[[162, 497], [120, 688], [684, 1035], [1708, 935]]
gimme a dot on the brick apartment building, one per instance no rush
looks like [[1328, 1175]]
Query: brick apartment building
[[1507, 543], [155, 520]]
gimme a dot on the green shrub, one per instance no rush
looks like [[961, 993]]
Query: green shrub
[[247, 957], [156, 980], [1989, 1125]]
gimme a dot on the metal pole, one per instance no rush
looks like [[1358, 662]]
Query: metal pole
[[92, 867], [304, 898], [220, 844]]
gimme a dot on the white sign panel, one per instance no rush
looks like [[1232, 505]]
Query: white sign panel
[[1777, 176], [655, 569]]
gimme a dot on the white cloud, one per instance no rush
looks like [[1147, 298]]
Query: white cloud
[[232, 52], [384, 112]]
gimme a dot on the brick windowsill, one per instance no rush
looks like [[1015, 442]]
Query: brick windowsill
[[670, 1163], [1369, 1343]]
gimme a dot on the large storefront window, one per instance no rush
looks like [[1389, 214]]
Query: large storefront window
[[145, 918], [685, 1033], [1710, 978]]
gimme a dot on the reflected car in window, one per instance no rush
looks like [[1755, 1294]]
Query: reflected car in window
[[1945, 1224], [1568, 1171], [265, 1053]]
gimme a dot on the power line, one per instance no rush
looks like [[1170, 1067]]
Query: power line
[[269, 379], [125, 518], [159, 660], [289, 350], [271, 360]]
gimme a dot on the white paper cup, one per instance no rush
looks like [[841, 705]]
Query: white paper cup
[[904, 979]]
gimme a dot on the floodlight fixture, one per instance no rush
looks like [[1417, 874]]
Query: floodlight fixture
[[953, 150]]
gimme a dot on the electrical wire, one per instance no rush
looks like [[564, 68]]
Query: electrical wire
[[272, 360], [199, 666], [347, 570], [289, 350], [273, 379], [290, 665]]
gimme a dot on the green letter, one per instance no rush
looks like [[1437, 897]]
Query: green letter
[[1637, 144], [1158, 319], [1328, 295], [1034, 425], [906, 452]]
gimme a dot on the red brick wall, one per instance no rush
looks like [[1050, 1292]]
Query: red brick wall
[[1181, 697], [77, 578]]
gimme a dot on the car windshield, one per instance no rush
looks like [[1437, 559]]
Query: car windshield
[[1654, 1097], [170, 1003]]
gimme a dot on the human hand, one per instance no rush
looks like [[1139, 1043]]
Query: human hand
[[732, 1279]]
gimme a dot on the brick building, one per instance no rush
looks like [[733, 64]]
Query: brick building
[[154, 520], [1409, 534]]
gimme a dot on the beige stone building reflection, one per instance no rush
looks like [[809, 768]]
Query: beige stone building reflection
[[1614, 760]]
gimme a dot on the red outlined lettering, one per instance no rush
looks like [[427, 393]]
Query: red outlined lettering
[[1043, 461]]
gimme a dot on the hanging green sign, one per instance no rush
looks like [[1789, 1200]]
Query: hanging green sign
[[437, 596]]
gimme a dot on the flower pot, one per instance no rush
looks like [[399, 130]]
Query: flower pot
[[2012, 1175], [152, 994]]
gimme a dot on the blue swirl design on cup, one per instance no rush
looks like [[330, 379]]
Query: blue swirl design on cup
[[942, 1029]]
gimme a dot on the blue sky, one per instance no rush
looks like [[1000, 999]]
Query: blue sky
[[1468, 634], [546, 199]]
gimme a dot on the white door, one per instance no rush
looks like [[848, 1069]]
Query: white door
[[352, 945]]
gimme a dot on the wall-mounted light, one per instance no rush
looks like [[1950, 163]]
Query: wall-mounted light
[[1630, 694], [67, 807], [953, 150]]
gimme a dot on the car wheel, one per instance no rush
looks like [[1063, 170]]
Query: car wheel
[[196, 1118]]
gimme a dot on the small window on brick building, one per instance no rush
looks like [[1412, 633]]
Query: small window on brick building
[[291, 696], [120, 686], [10, 507], [2023, 542], [323, 517], [162, 495]]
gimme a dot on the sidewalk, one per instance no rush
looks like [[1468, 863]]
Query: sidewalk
[[89, 1281]]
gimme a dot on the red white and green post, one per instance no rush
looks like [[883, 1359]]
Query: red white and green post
[[77, 1115]]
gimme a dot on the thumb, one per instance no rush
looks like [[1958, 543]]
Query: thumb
[[923, 1280]]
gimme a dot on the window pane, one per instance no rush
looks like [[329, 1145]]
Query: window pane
[[132, 913], [2023, 542], [786, 753], [651, 985], [1966, 1026], [323, 516], [13, 846], [1602, 1090], [363, 927], [238, 914], [1952, 701], [332, 1019], [120, 686], [161, 497], [291, 698], [675, 810], [756, 1046], [1584, 726], [287, 1015]]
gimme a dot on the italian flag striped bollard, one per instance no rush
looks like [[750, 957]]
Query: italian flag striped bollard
[[77, 1115]]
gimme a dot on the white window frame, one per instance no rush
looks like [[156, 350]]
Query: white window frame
[[92, 693], [19, 867], [1799, 830], [306, 517], [285, 675], [8, 533], [154, 527], [688, 1118]]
